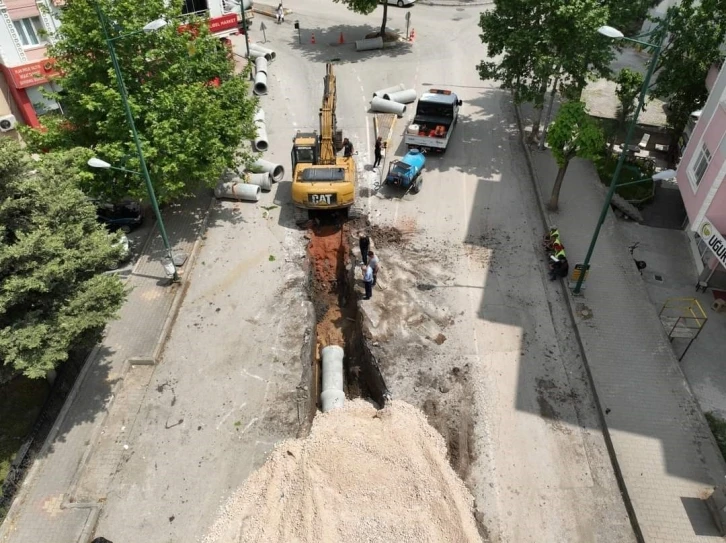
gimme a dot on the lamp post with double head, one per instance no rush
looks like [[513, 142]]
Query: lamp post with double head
[[151, 27], [614, 33]]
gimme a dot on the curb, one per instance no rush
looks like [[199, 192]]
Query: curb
[[455, 3], [95, 510], [571, 310]]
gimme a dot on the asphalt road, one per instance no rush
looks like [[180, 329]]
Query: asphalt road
[[227, 388]]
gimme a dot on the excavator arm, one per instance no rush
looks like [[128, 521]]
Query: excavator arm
[[327, 119]]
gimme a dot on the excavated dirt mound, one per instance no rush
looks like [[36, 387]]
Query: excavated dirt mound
[[361, 475]]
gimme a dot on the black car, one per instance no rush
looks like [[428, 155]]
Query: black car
[[124, 216]]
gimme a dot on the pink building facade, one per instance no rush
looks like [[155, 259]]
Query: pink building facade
[[700, 177]]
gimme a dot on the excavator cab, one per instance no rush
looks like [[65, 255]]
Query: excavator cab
[[305, 149]]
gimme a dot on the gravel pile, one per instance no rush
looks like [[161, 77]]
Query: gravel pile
[[361, 475]]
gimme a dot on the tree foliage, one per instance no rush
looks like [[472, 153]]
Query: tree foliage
[[190, 109], [695, 32], [52, 255], [366, 7], [572, 134], [530, 41], [629, 84]]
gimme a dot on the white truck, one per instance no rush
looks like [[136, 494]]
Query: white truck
[[436, 113]]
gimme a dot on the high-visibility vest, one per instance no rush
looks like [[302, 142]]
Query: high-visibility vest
[[560, 252]]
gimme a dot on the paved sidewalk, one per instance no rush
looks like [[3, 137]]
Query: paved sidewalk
[[59, 500], [665, 452]]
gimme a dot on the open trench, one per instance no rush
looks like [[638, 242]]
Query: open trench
[[338, 322]]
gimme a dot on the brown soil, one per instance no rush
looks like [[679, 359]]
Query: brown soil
[[386, 236], [387, 38]]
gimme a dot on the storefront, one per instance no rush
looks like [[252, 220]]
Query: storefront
[[710, 253], [27, 83]]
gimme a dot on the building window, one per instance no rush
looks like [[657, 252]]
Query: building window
[[30, 31], [700, 165]]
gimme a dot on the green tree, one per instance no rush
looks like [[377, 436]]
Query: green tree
[[52, 255], [695, 31], [629, 84], [530, 42], [572, 134], [366, 7], [191, 110]]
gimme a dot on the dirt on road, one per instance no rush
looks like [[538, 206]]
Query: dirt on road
[[361, 475]]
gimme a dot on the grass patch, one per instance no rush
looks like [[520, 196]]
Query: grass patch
[[20, 403], [629, 173], [718, 429]]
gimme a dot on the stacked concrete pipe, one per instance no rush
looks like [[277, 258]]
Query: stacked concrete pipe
[[260, 76], [262, 180], [260, 142], [389, 90], [387, 106], [257, 50], [276, 171], [402, 97], [332, 395]]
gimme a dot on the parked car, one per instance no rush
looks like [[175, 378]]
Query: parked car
[[399, 3], [125, 253], [124, 216]]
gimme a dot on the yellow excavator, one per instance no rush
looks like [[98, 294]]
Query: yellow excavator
[[320, 179]]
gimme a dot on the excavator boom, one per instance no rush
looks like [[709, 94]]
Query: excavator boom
[[327, 119]]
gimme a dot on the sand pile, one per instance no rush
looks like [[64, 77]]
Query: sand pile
[[361, 475]]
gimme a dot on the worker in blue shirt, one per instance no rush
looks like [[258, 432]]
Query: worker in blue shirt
[[368, 281]]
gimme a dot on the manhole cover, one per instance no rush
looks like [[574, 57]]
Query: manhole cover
[[658, 278]]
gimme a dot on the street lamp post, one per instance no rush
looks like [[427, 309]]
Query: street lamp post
[[614, 33], [154, 25]]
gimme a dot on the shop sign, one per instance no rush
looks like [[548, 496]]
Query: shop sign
[[714, 240], [225, 22], [35, 73]]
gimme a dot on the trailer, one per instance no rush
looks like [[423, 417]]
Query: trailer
[[436, 114]]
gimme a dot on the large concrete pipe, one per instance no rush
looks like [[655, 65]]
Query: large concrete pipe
[[369, 45], [260, 87], [386, 106], [332, 395], [402, 97], [259, 116], [268, 53], [262, 180], [261, 143], [389, 90], [238, 191], [256, 53], [261, 64], [276, 171]]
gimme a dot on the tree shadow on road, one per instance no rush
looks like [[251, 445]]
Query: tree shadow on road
[[328, 49]]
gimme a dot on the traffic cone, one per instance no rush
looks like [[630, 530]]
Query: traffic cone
[[312, 39], [341, 40], [412, 37]]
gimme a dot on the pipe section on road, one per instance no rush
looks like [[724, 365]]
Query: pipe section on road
[[261, 143], [260, 87], [262, 180], [332, 395], [402, 97], [238, 191], [269, 54], [276, 171], [369, 45], [386, 106], [389, 90]]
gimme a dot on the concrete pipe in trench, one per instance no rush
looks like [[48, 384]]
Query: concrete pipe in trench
[[276, 171], [332, 395], [238, 191], [389, 90], [402, 97], [262, 180], [386, 106]]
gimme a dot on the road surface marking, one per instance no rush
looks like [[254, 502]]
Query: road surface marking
[[226, 416]]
